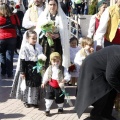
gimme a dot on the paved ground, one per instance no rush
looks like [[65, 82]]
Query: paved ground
[[13, 109]]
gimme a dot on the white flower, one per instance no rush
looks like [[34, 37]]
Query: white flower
[[42, 57]]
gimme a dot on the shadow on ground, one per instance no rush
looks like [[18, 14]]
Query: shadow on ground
[[14, 115]]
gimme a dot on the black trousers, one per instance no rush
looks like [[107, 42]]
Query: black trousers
[[104, 106]]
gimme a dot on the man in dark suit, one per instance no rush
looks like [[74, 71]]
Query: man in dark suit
[[99, 76]]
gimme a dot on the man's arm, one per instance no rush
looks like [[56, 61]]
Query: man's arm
[[102, 28], [27, 23]]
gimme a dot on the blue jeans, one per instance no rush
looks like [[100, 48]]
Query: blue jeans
[[7, 48]]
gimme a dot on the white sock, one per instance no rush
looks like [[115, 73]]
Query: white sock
[[48, 104], [60, 106]]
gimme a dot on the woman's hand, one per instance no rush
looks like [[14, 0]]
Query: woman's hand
[[42, 85], [55, 36], [63, 81], [51, 35], [22, 76]]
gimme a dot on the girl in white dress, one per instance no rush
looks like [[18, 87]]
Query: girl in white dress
[[87, 49], [74, 48]]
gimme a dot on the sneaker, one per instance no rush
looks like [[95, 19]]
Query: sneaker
[[60, 111], [47, 113]]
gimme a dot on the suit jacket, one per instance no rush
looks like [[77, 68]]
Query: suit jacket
[[99, 74]]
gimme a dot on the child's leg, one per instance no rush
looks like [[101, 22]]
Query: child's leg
[[48, 104], [59, 99], [49, 97]]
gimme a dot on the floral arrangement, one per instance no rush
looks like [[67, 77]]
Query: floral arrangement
[[48, 26], [40, 63], [72, 68]]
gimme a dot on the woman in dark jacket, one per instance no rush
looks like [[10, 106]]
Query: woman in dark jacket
[[8, 22]]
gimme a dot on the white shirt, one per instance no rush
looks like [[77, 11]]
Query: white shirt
[[91, 29], [73, 52], [98, 37], [27, 23], [79, 59], [67, 76]]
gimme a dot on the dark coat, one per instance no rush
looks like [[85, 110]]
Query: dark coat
[[99, 74]]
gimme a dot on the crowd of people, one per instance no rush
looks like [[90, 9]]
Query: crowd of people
[[49, 60]]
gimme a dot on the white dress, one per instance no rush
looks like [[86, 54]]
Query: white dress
[[78, 61], [73, 52]]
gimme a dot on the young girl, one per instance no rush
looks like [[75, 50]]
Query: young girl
[[28, 58], [87, 48], [53, 77], [73, 50]]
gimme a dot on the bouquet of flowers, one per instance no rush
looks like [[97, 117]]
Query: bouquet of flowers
[[48, 26], [72, 68], [40, 63]]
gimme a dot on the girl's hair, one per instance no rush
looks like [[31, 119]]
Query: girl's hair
[[103, 3], [86, 41], [29, 32], [53, 0], [72, 39], [5, 10]]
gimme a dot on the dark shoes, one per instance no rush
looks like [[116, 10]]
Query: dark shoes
[[60, 111], [27, 105], [47, 113]]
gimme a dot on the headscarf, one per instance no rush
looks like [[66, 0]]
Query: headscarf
[[63, 30]]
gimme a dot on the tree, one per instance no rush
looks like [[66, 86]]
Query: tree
[[93, 7]]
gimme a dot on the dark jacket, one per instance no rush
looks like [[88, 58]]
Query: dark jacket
[[99, 74]]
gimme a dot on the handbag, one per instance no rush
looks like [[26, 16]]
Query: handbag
[[23, 85], [19, 35]]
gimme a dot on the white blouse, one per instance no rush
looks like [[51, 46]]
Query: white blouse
[[98, 37], [27, 23]]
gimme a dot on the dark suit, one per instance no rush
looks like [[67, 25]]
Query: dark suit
[[99, 74]]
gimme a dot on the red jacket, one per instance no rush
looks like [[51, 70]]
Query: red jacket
[[8, 32]]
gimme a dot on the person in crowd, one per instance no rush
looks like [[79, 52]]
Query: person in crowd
[[54, 78], [77, 6], [8, 35], [82, 4], [109, 27], [59, 35], [20, 3], [73, 50], [19, 13], [99, 75], [31, 15], [64, 6], [87, 49], [95, 19], [86, 9], [28, 57]]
